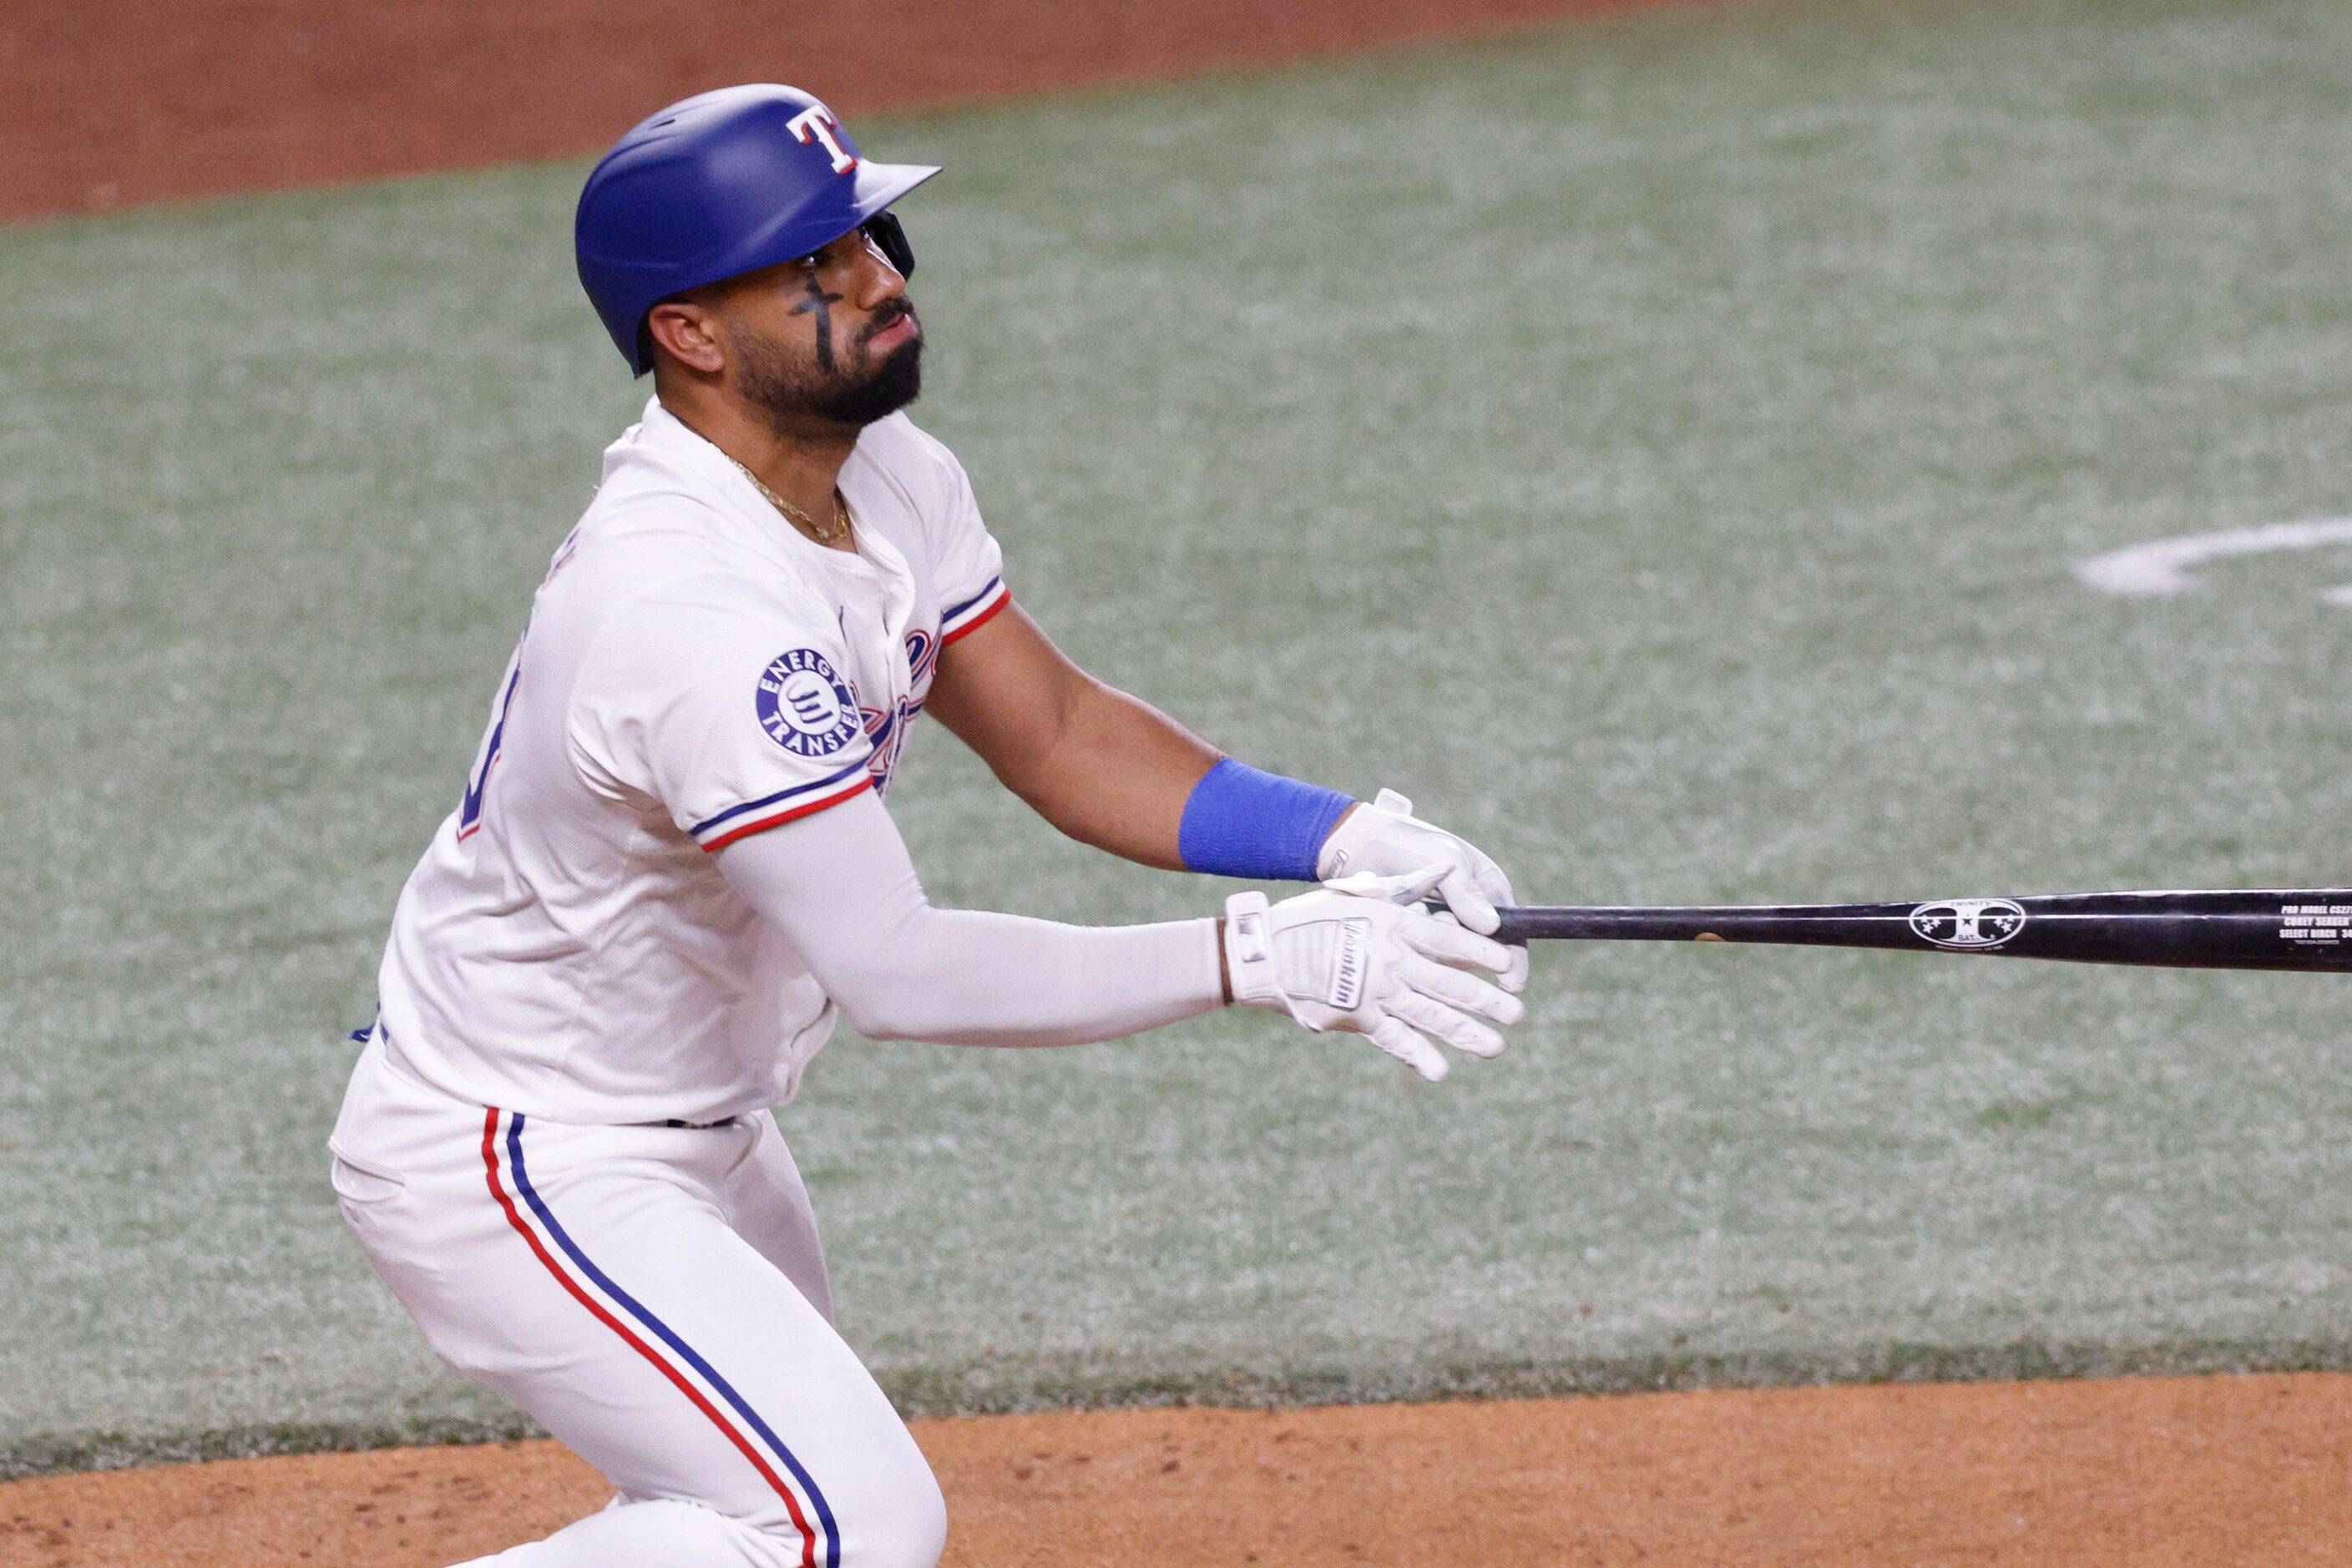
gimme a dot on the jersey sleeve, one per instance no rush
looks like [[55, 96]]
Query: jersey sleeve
[[735, 717], [967, 562]]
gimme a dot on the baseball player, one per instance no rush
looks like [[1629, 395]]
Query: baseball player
[[671, 868]]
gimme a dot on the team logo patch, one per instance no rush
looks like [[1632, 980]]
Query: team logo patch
[[805, 708], [1966, 923]]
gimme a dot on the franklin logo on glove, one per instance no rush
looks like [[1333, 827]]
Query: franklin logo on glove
[[1348, 967]]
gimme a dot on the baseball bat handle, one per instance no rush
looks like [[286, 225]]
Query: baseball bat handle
[[2308, 929]]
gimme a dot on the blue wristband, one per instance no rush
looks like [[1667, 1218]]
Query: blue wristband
[[1240, 821]]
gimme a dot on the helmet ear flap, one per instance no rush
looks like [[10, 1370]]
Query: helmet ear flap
[[889, 237]]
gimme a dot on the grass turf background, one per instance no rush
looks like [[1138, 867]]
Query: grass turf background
[[1657, 447]]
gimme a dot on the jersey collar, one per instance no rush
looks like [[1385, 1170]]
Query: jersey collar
[[663, 434], [669, 441]]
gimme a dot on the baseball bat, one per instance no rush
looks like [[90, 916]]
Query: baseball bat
[[2310, 930]]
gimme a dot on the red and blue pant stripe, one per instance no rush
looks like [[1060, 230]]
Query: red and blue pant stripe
[[641, 1330]]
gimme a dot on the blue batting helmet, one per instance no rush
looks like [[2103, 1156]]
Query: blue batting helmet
[[724, 183]]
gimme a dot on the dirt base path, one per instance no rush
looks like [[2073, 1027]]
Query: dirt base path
[[2241, 1471], [119, 101]]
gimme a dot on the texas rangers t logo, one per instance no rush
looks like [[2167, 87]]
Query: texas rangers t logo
[[804, 707], [818, 122]]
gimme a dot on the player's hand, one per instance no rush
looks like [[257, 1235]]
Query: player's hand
[[1385, 839], [1373, 962]]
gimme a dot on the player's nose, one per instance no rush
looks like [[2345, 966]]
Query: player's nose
[[877, 280]]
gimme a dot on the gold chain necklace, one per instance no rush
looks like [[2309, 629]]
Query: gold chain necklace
[[819, 531]]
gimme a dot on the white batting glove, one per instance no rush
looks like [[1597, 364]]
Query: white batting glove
[[1373, 962], [1385, 839]]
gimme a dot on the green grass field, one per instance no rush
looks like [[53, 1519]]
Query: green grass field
[[1658, 447]]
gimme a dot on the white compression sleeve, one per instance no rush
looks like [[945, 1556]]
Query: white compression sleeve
[[843, 890]]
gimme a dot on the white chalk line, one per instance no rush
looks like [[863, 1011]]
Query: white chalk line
[[2160, 569]]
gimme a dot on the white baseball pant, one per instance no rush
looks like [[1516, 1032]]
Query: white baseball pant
[[656, 1298]]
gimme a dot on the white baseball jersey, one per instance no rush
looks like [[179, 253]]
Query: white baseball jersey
[[695, 670]]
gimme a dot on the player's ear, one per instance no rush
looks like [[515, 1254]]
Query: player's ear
[[688, 334]]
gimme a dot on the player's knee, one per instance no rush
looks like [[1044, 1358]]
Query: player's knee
[[909, 1530]]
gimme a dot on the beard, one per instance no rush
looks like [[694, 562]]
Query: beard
[[855, 391], [891, 384]]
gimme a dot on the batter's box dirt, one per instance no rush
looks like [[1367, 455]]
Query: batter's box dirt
[[2241, 1471]]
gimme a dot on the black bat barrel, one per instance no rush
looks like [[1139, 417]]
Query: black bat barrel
[[2306, 930]]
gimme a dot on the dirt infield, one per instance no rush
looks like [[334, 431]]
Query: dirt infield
[[119, 101], [2241, 1471]]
